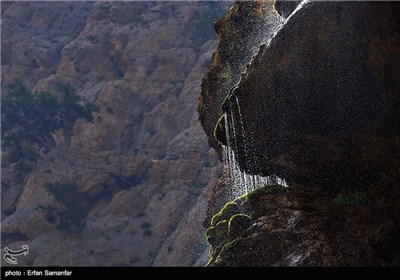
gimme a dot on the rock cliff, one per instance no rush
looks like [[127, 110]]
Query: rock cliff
[[144, 164], [241, 31], [319, 106]]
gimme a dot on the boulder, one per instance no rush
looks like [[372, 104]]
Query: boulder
[[320, 104]]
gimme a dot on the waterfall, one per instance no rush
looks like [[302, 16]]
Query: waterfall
[[241, 182]]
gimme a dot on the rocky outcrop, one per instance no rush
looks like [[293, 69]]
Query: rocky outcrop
[[240, 32], [31, 45], [319, 107], [144, 164], [296, 226]]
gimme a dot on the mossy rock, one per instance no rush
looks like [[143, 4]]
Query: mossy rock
[[228, 225], [264, 190], [237, 224], [215, 255], [217, 234], [355, 197], [230, 209], [222, 252], [210, 233], [219, 131]]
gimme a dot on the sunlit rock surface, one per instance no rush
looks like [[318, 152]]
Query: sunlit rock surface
[[144, 163]]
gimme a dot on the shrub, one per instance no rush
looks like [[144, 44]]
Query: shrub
[[352, 198], [74, 211], [151, 129], [29, 119], [145, 225]]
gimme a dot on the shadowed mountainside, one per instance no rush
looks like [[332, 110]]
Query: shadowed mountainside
[[143, 166]]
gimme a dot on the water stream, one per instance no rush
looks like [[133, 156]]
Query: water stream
[[241, 182]]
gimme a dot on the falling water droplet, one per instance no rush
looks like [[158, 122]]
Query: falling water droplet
[[241, 182]]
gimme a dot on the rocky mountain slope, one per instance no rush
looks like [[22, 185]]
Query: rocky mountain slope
[[144, 164], [319, 106]]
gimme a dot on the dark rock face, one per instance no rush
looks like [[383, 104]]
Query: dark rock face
[[285, 8], [240, 32], [320, 105], [302, 227]]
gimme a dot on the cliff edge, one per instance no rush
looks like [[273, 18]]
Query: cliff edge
[[318, 106]]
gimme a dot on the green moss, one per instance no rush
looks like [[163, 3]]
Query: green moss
[[210, 261], [217, 254], [237, 224], [209, 234], [228, 225], [221, 232], [263, 190], [219, 131], [214, 255], [353, 198], [227, 211], [232, 208], [226, 228], [227, 74], [225, 102], [224, 248], [217, 234]]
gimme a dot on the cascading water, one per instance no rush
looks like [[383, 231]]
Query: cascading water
[[240, 181]]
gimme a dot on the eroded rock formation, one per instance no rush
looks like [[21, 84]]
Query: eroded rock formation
[[144, 163], [320, 103], [299, 226], [240, 32], [319, 107]]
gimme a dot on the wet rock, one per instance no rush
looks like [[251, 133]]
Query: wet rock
[[320, 103], [302, 227], [240, 32], [319, 107]]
